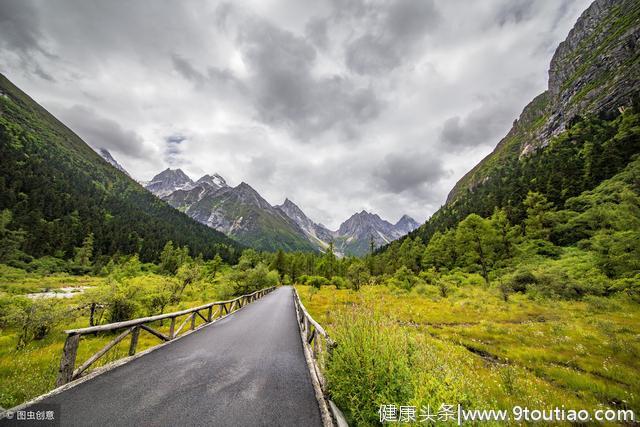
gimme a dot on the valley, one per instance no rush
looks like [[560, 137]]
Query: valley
[[521, 290]]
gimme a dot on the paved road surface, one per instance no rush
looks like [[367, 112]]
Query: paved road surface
[[245, 370]]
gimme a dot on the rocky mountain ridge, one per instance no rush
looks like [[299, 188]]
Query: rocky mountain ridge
[[242, 213], [595, 71]]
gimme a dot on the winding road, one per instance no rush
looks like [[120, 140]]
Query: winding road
[[247, 369]]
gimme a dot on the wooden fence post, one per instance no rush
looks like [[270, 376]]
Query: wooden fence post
[[134, 340], [210, 314], [68, 361], [193, 320], [172, 328]]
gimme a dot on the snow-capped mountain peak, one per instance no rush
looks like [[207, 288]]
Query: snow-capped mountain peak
[[214, 181], [168, 181], [106, 155]]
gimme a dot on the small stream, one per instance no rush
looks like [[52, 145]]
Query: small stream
[[68, 292]]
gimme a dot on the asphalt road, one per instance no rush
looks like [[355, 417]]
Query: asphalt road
[[245, 370]]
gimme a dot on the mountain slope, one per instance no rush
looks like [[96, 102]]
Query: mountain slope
[[240, 212], [316, 233], [572, 136], [106, 155], [59, 190], [355, 234]]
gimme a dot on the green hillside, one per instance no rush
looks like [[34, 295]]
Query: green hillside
[[581, 131], [55, 191]]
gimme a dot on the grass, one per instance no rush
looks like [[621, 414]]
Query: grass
[[31, 371], [477, 350]]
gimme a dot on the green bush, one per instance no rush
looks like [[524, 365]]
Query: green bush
[[339, 282], [121, 308], [521, 280]]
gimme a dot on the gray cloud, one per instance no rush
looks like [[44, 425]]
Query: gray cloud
[[390, 36], [20, 26], [286, 92], [101, 132], [409, 172], [486, 123], [341, 105]]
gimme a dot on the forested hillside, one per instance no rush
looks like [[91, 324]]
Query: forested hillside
[[56, 193], [571, 137]]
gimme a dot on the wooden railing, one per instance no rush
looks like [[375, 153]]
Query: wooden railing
[[68, 372], [319, 345]]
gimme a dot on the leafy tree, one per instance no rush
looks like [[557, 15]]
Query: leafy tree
[[358, 274], [440, 253], [279, 263], [505, 232], [214, 266], [475, 241], [172, 258]]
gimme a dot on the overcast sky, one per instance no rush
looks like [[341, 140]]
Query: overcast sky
[[338, 105]]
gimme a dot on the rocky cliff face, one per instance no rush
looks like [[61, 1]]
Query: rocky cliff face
[[596, 70]]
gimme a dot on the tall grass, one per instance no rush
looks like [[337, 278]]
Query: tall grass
[[371, 365]]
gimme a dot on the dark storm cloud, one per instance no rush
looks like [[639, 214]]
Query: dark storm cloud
[[286, 92], [20, 33], [488, 122], [391, 33], [20, 26], [101, 132], [409, 172]]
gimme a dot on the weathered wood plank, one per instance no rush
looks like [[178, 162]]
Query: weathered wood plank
[[68, 360], [172, 328], [101, 353], [156, 333], [134, 340], [202, 317]]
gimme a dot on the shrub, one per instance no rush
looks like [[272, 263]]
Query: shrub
[[48, 265], [521, 280], [33, 319], [405, 278], [121, 308], [339, 282], [315, 281]]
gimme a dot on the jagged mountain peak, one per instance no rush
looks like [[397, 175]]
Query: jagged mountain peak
[[214, 181], [172, 172], [168, 181], [106, 155], [406, 224]]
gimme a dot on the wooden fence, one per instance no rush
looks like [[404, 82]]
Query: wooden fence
[[319, 346], [68, 372]]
